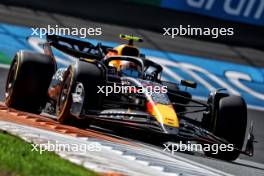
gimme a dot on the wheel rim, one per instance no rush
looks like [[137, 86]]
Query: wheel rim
[[11, 80], [64, 95]]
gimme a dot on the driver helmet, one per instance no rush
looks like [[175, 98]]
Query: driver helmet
[[128, 68]]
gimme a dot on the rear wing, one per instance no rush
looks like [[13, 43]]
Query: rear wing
[[77, 48]]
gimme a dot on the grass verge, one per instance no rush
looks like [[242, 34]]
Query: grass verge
[[17, 159], [4, 59]]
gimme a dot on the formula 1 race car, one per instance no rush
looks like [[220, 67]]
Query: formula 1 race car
[[120, 87]]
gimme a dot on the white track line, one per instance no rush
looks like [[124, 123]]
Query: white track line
[[250, 163], [4, 66]]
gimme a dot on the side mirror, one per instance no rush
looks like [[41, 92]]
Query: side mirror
[[188, 83]]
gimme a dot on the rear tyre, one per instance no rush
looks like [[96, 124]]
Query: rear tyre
[[230, 123], [91, 76], [28, 81]]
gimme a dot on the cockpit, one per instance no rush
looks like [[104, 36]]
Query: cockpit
[[133, 67]]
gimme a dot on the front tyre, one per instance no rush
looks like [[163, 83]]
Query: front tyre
[[230, 123]]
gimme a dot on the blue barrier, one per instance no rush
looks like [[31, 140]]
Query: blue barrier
[[244, 11]]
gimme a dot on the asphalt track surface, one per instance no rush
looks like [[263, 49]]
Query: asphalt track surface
[[247, 56]]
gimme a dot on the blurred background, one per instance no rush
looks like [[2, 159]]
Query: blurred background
[[245, 16]]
